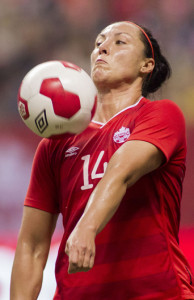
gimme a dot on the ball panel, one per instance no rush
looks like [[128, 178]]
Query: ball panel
[[79, 122], [87, 91], [41, 111], [71, 66], [23, 108], [46, 124], [32, 81], [65, 104]]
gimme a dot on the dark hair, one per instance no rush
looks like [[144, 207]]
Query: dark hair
[[162, 69]]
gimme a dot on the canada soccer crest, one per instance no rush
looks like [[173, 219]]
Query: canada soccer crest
[[121, 135]]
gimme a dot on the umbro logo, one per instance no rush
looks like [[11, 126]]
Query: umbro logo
[[71, 151]]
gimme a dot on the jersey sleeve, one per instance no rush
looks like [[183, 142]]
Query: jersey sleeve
[[162, 124], [42, 191]]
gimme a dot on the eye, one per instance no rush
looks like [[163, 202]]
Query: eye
[[119, 42], [98, 43]]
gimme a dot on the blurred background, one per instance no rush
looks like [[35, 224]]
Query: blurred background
[[32, 32]]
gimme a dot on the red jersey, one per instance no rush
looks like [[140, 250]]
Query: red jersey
[[137, 253]]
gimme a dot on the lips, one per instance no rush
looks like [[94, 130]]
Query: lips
[[100, 61]]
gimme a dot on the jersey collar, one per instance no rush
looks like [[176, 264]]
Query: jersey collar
[[126, 108]]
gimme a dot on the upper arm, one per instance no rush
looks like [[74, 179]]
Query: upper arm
[[37, 228], [31, 253], [135, 159]]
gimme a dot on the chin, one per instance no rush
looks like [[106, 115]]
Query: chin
[[98, 79], [100, 82], [99, 74]]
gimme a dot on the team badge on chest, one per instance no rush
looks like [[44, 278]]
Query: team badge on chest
[[121, 135]]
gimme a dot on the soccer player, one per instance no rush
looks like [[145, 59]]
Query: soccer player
[[118, 186]]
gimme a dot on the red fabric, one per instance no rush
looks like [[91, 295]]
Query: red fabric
[[41, 191], [137, 253]]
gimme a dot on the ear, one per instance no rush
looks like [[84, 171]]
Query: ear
[[147, 66]]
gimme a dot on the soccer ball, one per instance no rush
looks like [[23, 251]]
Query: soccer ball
[[55, 98]]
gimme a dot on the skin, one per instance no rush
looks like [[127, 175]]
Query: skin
[[105, 199], [117, 46], [31, 253], [118, 86]]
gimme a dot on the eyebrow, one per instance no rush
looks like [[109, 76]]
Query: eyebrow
[[116, 34]]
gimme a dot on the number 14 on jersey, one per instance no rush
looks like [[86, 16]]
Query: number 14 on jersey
[[86, 176]]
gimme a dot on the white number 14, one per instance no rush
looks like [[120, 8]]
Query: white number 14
[[94, 173]]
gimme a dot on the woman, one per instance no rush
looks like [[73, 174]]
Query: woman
[[118, 186]]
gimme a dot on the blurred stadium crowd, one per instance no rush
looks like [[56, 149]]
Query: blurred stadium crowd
[[35, 31]]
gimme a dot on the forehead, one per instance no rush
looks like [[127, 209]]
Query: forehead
[[122, 27]]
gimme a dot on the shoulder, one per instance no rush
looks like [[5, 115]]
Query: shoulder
[[163, 104], [49, 148], [166, 104], [164, 108], [161, 116], [43, 145]]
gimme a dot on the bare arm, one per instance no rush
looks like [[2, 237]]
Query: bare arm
[[129, 163], [31, 253]]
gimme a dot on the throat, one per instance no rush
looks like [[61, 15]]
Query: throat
[[106, 109]]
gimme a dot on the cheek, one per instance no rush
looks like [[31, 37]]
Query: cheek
[[122, 61], [131, 60], [93, 56]]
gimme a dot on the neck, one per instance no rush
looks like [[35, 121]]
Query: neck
[[110, 102]]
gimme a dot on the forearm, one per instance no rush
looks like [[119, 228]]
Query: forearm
[[122, 172], [129, 163], [27, 273], [103, 202], [101, 206]]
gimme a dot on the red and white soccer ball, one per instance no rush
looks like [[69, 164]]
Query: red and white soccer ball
[[55, 98]]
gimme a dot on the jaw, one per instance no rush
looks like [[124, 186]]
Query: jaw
[[100, 76]]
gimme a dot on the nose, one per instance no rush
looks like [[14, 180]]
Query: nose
[[104, 48]]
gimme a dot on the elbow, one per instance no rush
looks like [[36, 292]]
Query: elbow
[[38, 253], [131, 179]]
